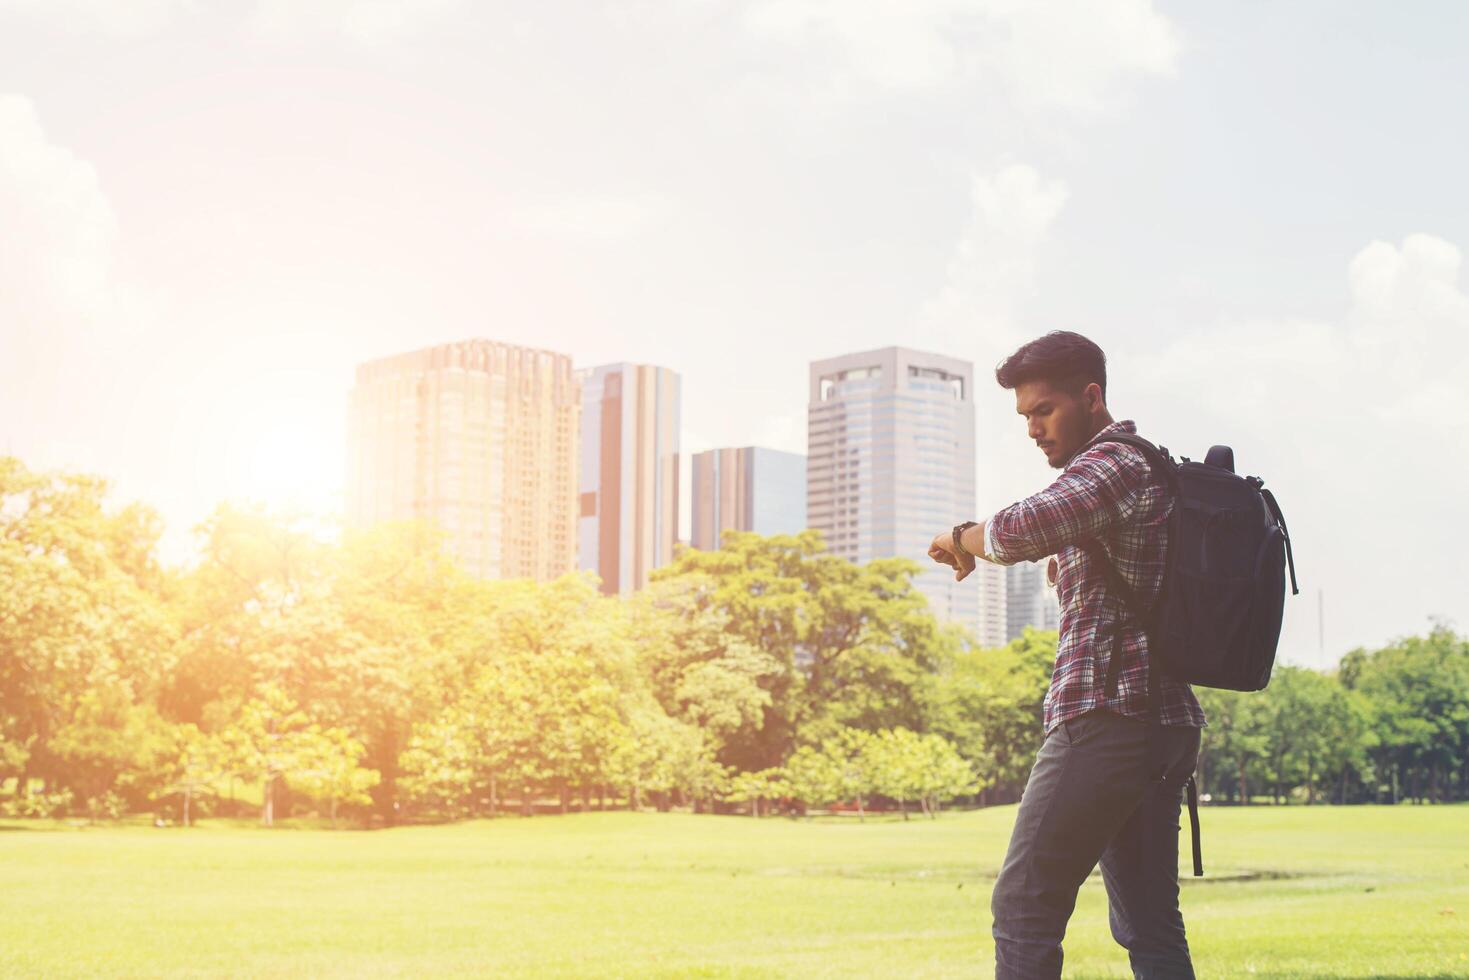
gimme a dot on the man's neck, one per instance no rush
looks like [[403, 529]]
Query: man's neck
[[1100, 422]]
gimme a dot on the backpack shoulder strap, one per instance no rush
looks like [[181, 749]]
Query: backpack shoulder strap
[[1097, 553], [1158, 458], [1162, 465]]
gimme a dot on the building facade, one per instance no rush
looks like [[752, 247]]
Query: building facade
[[1029, 601], [628, 511], [991, 584], [747, 489], [479, 438], [890, 462]]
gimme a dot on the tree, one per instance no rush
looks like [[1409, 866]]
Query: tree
[[988, 704], [813, 775], [667, 758], [83, 630], [274, 740], [108, 747], [443, 766], [923, 768], [1233, 744], [369, 633], [700, 670], [1418, 689], [851, 644], [200, 764], [758, 788], [328, 768]]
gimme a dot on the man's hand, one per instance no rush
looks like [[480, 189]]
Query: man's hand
[[942, 551]]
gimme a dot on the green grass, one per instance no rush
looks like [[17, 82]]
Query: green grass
[[1290, 892]]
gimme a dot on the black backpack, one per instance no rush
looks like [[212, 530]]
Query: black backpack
[[1216, 620]]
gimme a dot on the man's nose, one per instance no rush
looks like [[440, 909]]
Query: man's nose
[[1036, 431]]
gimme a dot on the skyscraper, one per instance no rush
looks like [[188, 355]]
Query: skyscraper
[[1028, 600], [891, 462], [991, 583], [478, 437], [750, 489], [629, 472]]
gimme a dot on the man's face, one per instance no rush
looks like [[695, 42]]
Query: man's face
[[1058, 421]]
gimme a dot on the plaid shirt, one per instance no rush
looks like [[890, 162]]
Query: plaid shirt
[[1106, 492]]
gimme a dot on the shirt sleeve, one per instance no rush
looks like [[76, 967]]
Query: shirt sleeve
[[1098, 491], [989, 544]]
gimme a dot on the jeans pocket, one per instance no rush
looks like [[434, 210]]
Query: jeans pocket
[[1092, 724], [1075, 728]]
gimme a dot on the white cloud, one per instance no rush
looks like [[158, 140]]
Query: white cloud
[[978, 314], [1410, 326], [992, 269], [56, 226], [1043, 54], [1399, 355], [1073, 55], [902, 45]]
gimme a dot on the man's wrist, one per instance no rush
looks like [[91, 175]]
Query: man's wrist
[[973, 540], [956, 539]]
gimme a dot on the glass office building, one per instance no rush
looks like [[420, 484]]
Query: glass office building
[[628, 513], [747, 489], [1028, 600]]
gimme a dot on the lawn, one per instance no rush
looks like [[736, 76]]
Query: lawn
[[1289, 892]]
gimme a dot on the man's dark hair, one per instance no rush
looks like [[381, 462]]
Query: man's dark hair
[[1064, 359]]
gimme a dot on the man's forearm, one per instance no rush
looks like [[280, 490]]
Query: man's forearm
[[973, 539]]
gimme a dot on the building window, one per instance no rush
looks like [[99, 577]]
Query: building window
[[852, 374], [954, 382]]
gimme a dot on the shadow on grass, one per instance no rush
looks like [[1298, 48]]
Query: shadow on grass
[[1344, 976], [1232, 877], [963, 875]]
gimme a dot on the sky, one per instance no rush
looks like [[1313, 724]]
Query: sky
[[210, 212]]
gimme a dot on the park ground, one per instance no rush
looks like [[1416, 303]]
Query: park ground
[[1288, 892]]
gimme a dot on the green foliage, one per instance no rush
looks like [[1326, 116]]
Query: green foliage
[[854, 765], [112, 749], [988, 703], [273, 740], [844, 645], [366, 670], [83, 633], [1415, 694]]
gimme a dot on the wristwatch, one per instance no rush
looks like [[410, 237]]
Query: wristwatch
[[959, 530]]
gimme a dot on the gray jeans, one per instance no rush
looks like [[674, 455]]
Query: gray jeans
[[1091, 797]]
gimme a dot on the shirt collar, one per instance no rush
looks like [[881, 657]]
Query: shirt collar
[[1121, 425]]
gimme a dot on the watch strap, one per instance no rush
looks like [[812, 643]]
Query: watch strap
[[959, 530]]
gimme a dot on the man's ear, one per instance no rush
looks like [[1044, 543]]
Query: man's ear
[[1093, 395]]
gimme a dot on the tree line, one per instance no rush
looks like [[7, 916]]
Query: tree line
[[365, 674]]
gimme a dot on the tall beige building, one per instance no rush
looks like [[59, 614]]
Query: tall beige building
[[890, 463], [480, 438], [629, 472]]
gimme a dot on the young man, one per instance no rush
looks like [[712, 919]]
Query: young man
[[1099, 791]]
